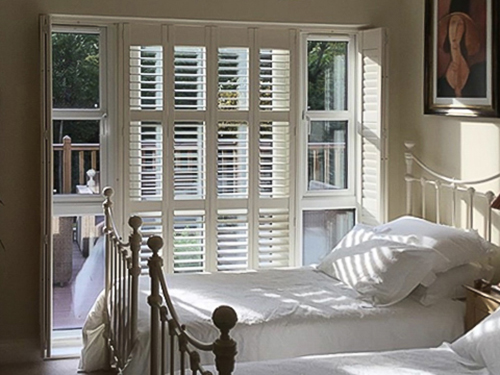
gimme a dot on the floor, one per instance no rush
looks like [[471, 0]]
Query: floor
[[52, 367], [64, 318]]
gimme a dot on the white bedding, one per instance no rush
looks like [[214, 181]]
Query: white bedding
[[283, 314], [438, 361]]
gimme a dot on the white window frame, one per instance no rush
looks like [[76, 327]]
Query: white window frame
[[78, 204], [326, 200]]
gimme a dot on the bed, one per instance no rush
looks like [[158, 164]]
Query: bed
[[475, 353], [295, 307]]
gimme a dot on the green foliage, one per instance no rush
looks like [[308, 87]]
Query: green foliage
[[320, 60], [75, 74]]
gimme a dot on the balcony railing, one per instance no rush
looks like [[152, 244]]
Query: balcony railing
[[327, 163], [67, 162]]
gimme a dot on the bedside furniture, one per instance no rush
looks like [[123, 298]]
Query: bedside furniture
[[479, 304]]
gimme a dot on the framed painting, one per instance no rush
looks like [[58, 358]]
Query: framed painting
[[461, 58]]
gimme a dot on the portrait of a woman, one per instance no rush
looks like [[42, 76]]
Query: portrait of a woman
[[461, 70]]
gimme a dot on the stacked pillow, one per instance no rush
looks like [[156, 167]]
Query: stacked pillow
[[384, 264]]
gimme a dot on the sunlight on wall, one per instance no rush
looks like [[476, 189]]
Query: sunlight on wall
[[480, 149]]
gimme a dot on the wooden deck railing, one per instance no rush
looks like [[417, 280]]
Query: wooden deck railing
[[67, 148], [321, 161]]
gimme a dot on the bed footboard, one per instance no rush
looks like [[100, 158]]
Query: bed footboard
[[122, 284], [170, 337]]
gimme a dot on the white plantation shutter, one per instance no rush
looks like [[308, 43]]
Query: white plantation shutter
[[274, 238], [233, 78], [189, 159], [189, 241], [152, 225], [232, 240], [373, 132], [190, 78], [274, 92], [146, 77], [274, 159], [210, 143], [146, 160], [232, 174]]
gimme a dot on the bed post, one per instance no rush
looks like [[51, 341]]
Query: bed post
[[224, 318], [155, 264], [135, 241], [408, 177], [107, 192]]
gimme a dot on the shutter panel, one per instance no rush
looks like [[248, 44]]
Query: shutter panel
[[152, 225], [189, 241], [146, 77], [189, 160], [274, 156], [232, 240], [190, 78], [232, 166], [373, 135], [274, 77], [233, 79], [274, 238], [145, 158]]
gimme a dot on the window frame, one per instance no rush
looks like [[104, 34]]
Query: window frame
[[75, 204], [325, 200]]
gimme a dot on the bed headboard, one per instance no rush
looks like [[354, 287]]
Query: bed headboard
[[447, 200]]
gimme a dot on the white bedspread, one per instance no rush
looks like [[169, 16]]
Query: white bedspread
[[284, 314], [438, 361]]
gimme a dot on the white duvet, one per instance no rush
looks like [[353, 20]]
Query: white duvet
[[283, 314], [438, 361]]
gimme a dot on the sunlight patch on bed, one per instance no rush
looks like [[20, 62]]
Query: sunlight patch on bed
[[382, 370]]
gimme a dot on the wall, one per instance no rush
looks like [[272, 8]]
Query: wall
[[464, 148], [20, 119]]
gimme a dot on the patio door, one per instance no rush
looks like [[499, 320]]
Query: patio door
[[77, 148]]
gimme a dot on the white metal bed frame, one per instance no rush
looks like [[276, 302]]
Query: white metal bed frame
[[123, 270], [121, 296], [461, 191]]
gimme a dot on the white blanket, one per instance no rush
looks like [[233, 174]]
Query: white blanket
[[283, 314], [438, 361]]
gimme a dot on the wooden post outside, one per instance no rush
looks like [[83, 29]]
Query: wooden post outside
[[66, 160], [135, 240], [224, 318], [155, 263]]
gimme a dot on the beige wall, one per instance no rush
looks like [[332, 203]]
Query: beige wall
[[20, 111]]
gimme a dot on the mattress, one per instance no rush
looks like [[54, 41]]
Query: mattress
[[282, 314]]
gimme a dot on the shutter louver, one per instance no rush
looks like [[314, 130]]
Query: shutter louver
[[373, 137], [190, 78], [152, 225], [232, 174], [274, 156], [146, 78], [274, 238], [233, 79], [189, 242], [232, 240], [145, 158], [189, 160], [274, 93]]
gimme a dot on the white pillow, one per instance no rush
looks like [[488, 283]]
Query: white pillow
[[482, 343], [381, 271], [358, 234], [456, 245], [449, 284]]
